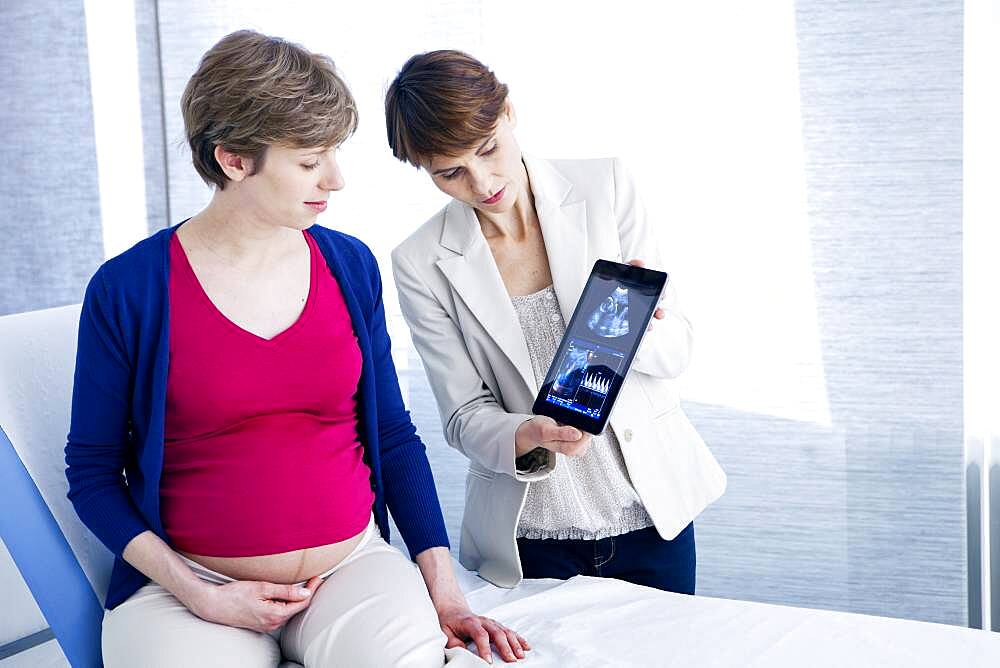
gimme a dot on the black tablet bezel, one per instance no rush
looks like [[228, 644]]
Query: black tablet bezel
[[607, 270]]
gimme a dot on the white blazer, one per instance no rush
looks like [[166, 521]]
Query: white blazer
[[473, 350]]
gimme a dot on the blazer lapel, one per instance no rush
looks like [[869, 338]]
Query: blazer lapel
[[564, 228], [474, 276]]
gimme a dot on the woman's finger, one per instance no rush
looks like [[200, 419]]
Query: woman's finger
[[271, 615], [482, 639], [524, 643], [289, 610], [499, 637], [283, 592], [515, 643]]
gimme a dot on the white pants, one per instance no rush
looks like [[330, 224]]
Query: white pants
[[371, 610]]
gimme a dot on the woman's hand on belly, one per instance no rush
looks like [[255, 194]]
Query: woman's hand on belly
[[262, 606], [259, 606], [284, 567]]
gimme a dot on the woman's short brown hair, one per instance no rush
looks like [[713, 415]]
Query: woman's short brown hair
[[251, 91], [441, 103]]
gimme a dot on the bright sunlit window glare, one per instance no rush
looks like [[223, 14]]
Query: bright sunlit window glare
[[703, 105], [981, 269]]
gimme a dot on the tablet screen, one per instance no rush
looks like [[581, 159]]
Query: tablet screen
[[599, 344]]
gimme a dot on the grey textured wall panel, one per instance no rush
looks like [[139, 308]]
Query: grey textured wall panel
[[147, 37], [994, 539], [869, 516], [49, 196], [974, 519], [780, 533], [881, 91], [184, 38]]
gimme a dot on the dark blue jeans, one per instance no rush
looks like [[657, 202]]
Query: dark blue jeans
[[640, 557]]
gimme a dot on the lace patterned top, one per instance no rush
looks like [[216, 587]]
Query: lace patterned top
[[588, 497]]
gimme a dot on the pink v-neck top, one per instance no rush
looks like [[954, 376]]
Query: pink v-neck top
[[261, 448]]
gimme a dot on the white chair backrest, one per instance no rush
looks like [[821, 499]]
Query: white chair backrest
[[37, 359]]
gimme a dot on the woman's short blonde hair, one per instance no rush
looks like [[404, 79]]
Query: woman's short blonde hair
[[251, 91]]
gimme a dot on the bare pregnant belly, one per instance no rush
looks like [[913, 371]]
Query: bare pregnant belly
[[284, 567]]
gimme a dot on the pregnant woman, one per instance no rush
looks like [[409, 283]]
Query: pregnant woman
[[238, 437]]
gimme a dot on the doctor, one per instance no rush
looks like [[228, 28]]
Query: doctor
[[486, 287]]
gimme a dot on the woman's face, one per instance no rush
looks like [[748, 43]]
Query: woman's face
[[489, 177], [293, 185]]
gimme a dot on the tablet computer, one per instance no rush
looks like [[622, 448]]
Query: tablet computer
[[601, 339]]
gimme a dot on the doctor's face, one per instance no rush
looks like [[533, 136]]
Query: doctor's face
[[489, 177]]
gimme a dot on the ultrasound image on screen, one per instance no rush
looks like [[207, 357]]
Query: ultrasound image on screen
[[586, 372], [608, 321], [610, 318]]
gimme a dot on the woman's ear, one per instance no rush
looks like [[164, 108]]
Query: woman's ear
[[234, 166]]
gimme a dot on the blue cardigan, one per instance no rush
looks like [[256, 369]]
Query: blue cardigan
[[119, 401]]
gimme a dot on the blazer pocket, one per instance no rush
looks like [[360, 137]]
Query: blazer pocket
[[663, 400]]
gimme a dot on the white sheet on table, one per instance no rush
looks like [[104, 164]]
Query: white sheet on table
[[601, 622]]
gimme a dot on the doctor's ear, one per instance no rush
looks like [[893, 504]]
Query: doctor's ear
[[508, 111]]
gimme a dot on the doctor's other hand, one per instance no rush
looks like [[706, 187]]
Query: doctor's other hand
[[658, 313], [544, 432]]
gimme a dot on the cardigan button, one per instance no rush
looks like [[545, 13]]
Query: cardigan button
[[627, 435]]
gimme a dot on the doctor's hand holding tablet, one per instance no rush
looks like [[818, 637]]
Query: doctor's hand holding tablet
[[579, 392]]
